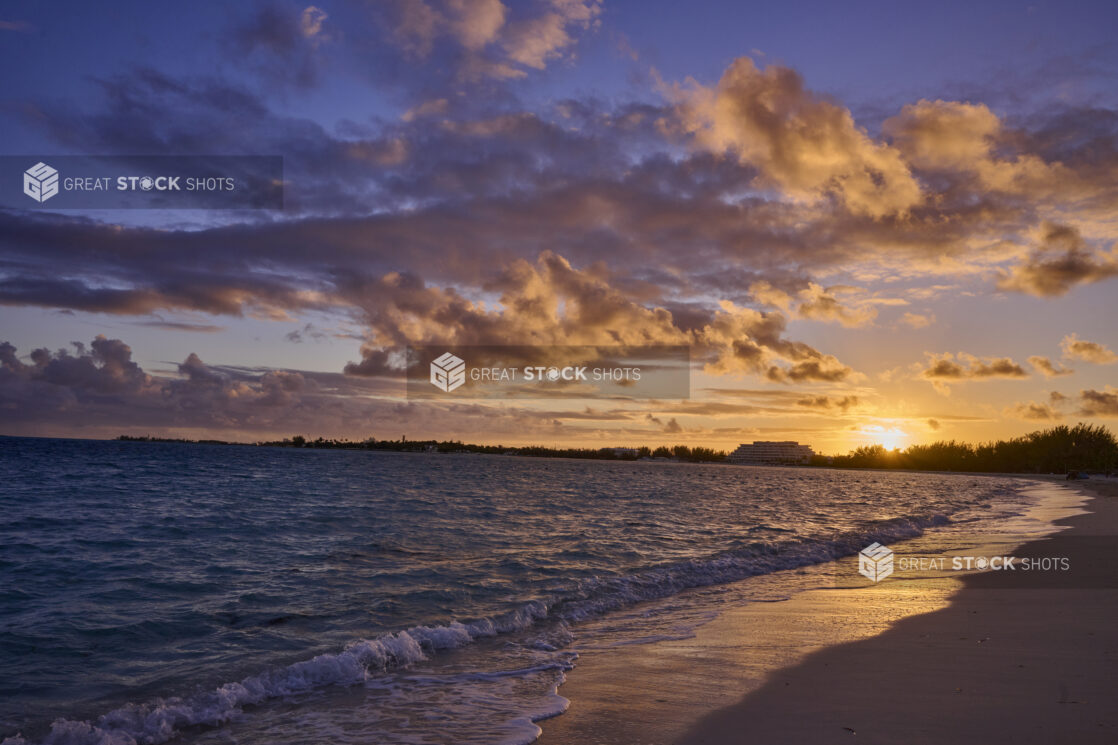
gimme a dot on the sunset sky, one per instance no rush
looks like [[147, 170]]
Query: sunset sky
[[871, 222]]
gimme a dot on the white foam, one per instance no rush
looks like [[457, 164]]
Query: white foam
[[160, 720]]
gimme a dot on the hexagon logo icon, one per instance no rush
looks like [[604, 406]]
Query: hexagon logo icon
[[40, 182], [875, 562], [448, 372]]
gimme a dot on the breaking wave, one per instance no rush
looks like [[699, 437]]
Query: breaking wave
[[159, 720]]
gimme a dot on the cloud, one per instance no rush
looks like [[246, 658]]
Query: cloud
[[801, 143], [159, 323], [918, 320], [451, 196], [945, 135], [310, 23], [535, 41], [714, 409], [822, 305], [484, 39], [828, 403], [998, 368], [1048, 368], [763, 292], [551, 302], [1034, 411], [947, 368], [824, 368], [419, 24], [1086, 351], [817, 303], [237, 296], [1099, 403], [297, 336], [432, 107], [482, 187], [749, 341], [280, 43], [1062, 261], [965, 138], [69, 384], [944, 367], [476, 23], [99, 391]]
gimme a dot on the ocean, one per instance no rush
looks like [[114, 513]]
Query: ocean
[[152, 592]]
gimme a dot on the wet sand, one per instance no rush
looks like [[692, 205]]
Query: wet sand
[[995, 657]]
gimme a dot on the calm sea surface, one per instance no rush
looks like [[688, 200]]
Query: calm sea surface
[[212, 594]]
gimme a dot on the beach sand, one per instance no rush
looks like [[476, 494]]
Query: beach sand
[[993, 657]]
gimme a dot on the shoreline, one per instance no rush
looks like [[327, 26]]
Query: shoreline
[[512, 451], [1013, 658], [908, 660]]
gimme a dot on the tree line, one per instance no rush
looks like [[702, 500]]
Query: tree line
[[1056, 450], [677, 452]]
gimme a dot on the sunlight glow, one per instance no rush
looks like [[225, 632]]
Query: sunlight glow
[[890, 438]]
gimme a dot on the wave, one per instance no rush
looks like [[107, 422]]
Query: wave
[[602, 595], [162, 719]]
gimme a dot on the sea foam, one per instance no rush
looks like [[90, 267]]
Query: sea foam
[[158, 721]]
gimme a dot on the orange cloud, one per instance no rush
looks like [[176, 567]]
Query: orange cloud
[[1033, 410], [963, 138], [801, 143], [818, 303], [918, 320], [948, 368], [828, 403], [551, 302], [1048, 368], [1061, 261], [1099, 403], [1087, 351]]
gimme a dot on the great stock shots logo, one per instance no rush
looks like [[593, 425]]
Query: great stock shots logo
[[80, 182], [40, 182], [547, 371], [448, 372], [875, 562]]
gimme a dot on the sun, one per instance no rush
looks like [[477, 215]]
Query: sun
[[892, 438], [889, 438]]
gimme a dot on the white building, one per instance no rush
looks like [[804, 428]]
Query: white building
[[786, 453]]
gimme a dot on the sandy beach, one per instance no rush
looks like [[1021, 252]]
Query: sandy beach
[[992, 657]]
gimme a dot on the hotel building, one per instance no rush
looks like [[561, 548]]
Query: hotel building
[[786, 453]]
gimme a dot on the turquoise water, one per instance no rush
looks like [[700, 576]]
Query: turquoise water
[[151, 592]]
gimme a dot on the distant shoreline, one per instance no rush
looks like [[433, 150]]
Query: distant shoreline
[[662, 454], [1058, 450]]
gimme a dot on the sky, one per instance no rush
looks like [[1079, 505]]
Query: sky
[[872, 223]]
